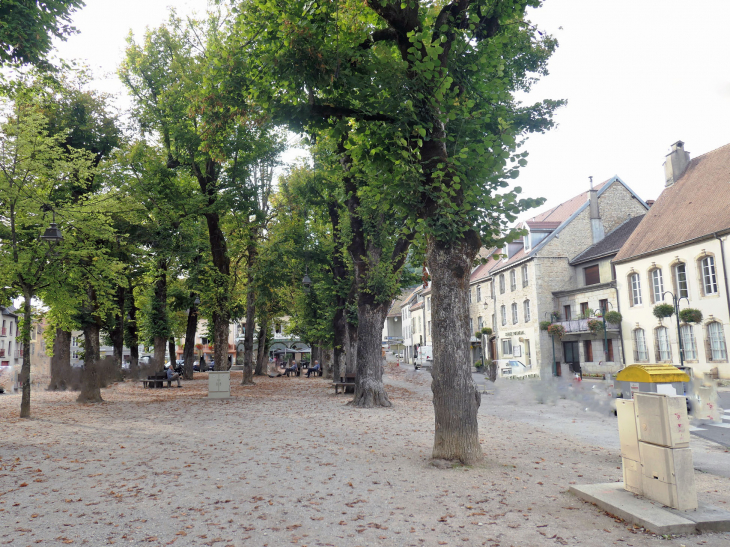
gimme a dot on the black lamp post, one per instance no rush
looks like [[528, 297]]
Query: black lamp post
[[555, 366], [306, 281], [604, 311], [52, 233], [675, 303]]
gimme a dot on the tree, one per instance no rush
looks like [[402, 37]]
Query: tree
[[27, 28], [437, 81]]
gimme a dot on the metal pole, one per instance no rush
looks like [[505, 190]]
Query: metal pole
[[679, 331], [605, 336], [555, 366]]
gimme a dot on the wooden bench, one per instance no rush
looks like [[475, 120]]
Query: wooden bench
[[156, 380], [314, 372], [348, 380]]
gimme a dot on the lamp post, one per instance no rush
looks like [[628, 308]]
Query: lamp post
[[306, 280], [675, 303], [604, 311], [555, 365], [52, 233]]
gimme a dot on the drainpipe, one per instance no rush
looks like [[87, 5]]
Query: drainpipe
[[724, 270], [620, 328]]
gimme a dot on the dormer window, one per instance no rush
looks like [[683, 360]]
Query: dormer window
[[526, 239]]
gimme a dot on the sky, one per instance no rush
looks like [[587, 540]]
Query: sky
[[638, 75]]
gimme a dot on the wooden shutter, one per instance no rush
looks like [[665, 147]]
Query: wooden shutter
[[592, 275]]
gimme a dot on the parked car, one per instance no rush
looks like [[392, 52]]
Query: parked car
[[511, 367], [424, 357]]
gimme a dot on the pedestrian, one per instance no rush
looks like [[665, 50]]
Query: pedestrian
[[314, 369], [172, 375]]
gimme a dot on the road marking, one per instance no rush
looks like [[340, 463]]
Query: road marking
[[693, 428], [726, 426]]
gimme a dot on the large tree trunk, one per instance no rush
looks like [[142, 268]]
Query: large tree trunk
[[132, 338], [189, 347], [455, 397], [369, 389], [327, 359], [61, 361], [90, 377], [351, 349], [261, 360], [25, 368], [222, 262], [117, 332], [250, 322], [173, 353], [159, 316], [340, 337]]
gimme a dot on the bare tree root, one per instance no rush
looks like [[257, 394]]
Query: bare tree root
[[371, 398]]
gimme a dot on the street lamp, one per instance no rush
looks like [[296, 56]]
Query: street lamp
[[555, 365], [52, 233], [306, 281], [604, 311], [675, 303]]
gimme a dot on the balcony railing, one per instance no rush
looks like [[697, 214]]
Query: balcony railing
[[575, 326]]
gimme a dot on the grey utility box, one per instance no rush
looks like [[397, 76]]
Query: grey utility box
[[219, 384]]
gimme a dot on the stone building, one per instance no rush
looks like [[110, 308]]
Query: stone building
[[680, 250], [535, 272], [11, 356]]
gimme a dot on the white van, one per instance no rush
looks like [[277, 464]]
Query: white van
[[424, 357]]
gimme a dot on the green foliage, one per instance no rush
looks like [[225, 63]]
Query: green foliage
[[663, 310], [556, 329], [690, 315], [613, 317], [28, 27], [486, 331], [544, 325], [595, 326]]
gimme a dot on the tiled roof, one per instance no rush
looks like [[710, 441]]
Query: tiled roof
[[482, 271], [537, 225], [611, 243], [398, 303], [697, 205], [562, 212], [417, 306]]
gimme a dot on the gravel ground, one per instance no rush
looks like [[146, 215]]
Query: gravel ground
[[287, 463]]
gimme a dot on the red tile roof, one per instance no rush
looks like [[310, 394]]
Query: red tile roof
[[696, 206]]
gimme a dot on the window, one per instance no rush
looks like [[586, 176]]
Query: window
[[609, 355], [428, 302], [494, 323], [584, 310], [491, 289], [657, 285], [717, 348], [526, 242], [503, 312], [204, 340], [640, 351], [635, 283], [527, 352], [429, 328], [469, 295], [566, 312], [680, 281], [512, 280], [663, 350], [603, 305], [588, 350], [479, 293], [592, 275], [480, 323], [471, 325], [525, 278], [501, 283], [709, 279], [514, 313], [526, 306], [507, 347], [688, 342]]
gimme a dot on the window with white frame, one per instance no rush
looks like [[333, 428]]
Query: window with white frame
[[469, 295], [501, 283], [479, 293], [512, 280], [503, 311], [635, 282], [507, 347], [716, 342], [428, 303], [514, 313], [471, 325], [480, 323], [688, 342], [640, 351], [680, 280], [525, 278], [663, 349], [709, 278], [657, 285], [526, 306]]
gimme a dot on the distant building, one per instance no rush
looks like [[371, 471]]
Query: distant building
[[680, 247]]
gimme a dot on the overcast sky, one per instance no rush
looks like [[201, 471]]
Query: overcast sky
[[638, 75]]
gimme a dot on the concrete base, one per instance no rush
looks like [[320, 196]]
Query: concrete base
[[218, 398], [612, 498], [236, 367]]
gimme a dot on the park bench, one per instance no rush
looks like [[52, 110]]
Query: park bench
[[157, 380], [314, 372], [348, 380]]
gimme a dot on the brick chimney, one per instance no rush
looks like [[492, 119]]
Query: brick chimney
[[597, 231], [676, 163]]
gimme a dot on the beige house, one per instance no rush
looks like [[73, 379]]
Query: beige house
[[679, 250], [538, 274]]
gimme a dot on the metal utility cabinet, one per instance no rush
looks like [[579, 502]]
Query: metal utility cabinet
[[219, 384], [655, 453]]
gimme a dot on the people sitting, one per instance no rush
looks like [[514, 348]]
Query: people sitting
[[293, 369], [315, 369], [172, 375]]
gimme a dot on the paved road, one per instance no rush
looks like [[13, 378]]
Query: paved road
[[719, 433]]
